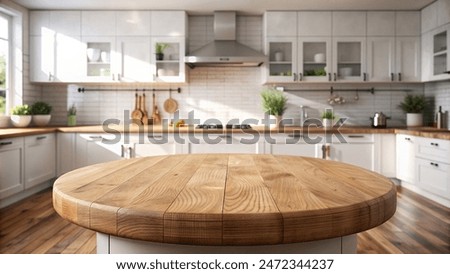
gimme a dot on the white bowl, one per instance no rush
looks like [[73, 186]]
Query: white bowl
[[21, 120], [4, 121], [319, 58], [93, 54], [346, 71], [41, 120]]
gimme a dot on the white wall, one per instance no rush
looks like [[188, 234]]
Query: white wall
[[225, 93]]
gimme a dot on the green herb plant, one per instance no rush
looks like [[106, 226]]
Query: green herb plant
[[41, 108], [21, 110], [72, 110], [413, 103], [273, 101], [328, 115], [160, 48]]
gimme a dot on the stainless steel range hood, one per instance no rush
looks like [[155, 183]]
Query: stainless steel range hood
[[224, 50]]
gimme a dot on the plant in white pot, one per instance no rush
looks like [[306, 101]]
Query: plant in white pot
[[274, 105], [328, 118], [413, 106], [21, 116], [72, 116], [41, 113]]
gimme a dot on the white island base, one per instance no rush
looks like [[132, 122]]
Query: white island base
[[108, 244]]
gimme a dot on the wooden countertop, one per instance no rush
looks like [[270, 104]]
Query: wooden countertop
[[428, 132], [221, 199]]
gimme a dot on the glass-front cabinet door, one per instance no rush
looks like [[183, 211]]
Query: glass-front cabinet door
[[441, 58], [282, 66], [349, 56], [167, 59], [314, 63], [99, 53]]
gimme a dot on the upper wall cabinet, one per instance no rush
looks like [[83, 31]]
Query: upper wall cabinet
[[103, 46], [314, 23], [55, 46], [380, 23], [280, 24], [349, 23], [436, 41], [407, 23]]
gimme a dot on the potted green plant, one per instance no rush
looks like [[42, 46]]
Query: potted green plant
[[274, 104], [159, 50], [41, 113], [21, 115], [413, 106], [72, 116], [328, 118]]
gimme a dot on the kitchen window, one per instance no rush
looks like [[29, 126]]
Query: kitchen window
[[5, 42]]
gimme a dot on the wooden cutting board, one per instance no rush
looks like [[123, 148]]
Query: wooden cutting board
[[170, 105], [136, 114]]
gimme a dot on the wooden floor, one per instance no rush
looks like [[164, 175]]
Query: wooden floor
[[32, 226]]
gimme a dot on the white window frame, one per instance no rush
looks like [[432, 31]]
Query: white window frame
[[14, 95]]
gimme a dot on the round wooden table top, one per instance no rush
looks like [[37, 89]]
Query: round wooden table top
[[225, 199]]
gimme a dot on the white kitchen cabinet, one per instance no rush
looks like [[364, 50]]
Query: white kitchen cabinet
[[11, 166], [380, 58], [381, 23], [133, 59], [429, 17], [436, 50], [55, 46], [282, 65], [65, 156], [172, 68], [280, 24], [223, 143], [349, 23], [40, 159], [407, 59], [169, 23], [100, 69], [289, 144], [433, 149], [155, 144], [434, 177], [407, 23], [405, 158], [314, 59], [133, 23], [443, 12], [349, 59], [385, 160], [314, 24], [97, 148], [98, 23]]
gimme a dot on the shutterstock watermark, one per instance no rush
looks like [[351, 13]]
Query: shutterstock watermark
[[312, 131]]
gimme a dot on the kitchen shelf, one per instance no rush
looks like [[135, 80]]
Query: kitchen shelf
[[167, 61], [440, 53], [280, 62], [315, 63]]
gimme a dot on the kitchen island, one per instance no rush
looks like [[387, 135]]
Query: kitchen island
[[225, 203]]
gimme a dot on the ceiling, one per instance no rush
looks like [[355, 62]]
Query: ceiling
[[242, 6]]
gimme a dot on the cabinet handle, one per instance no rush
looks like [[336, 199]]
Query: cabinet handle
[[122, 151], [5, 143], [41, 137], [355, 136], [435, 144], [392, 77], [364, 77], [329, 77], [434, 164], [113, 77], [119, 77], [130, 152], [300, 76], [335, 76], [295, 77], [407, 139], [154, 136], [225, 136], [326, 152], [94, 138], [50, 76], [400, 76]]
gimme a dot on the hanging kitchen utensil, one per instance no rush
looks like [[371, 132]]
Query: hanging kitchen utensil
[[356, 96], [144, 118], [170, 105], [155, 113], [136, 114]]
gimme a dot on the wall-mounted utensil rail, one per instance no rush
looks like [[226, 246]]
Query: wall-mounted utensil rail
[[82, 90], [331, 89]]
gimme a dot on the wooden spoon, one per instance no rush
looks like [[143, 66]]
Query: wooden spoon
[[155, 114], [144, 118], [170, 105], [136, 114]]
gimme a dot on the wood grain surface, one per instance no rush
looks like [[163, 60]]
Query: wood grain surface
[[225, 199]]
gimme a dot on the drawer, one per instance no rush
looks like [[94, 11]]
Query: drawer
[[39, 139], [433, 149], [351, 138], [11, 143], [433, 177], [293, 138]]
